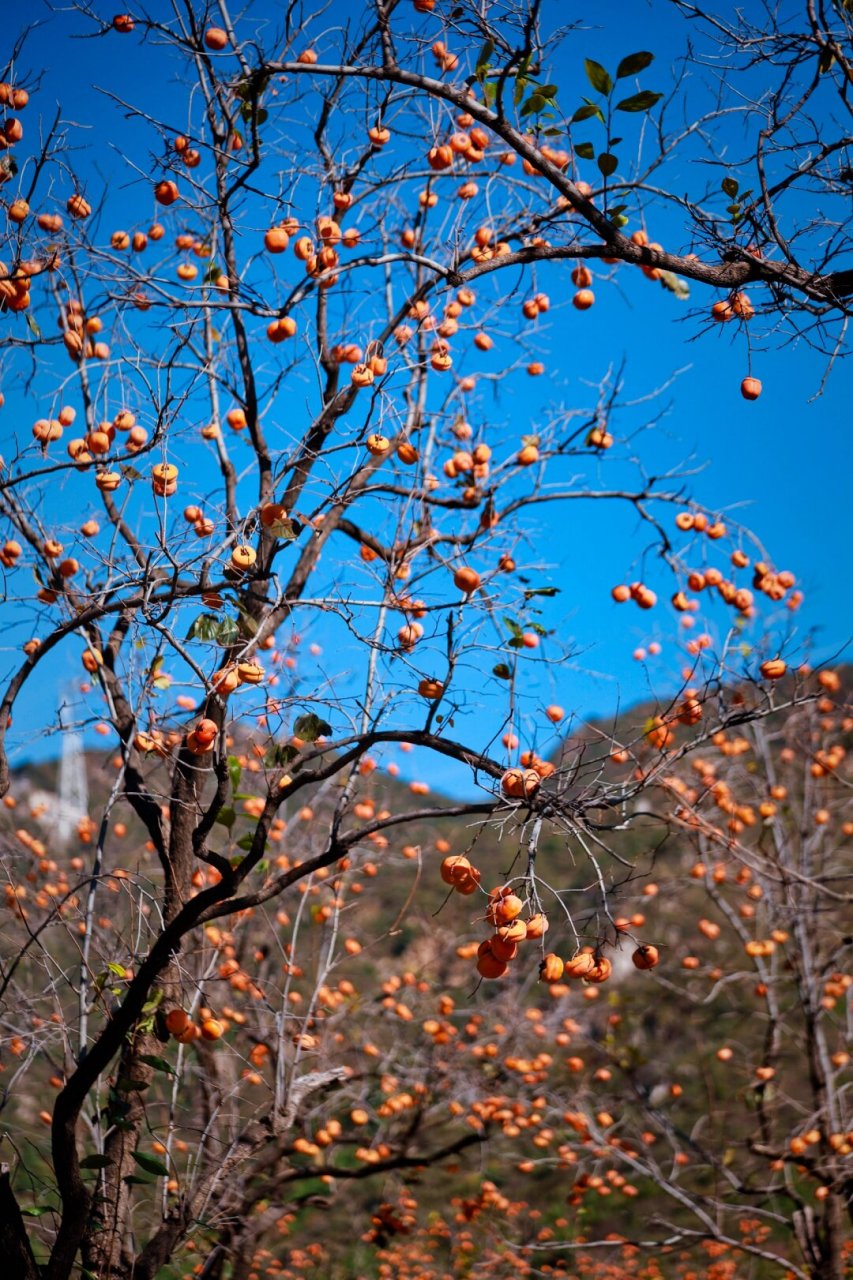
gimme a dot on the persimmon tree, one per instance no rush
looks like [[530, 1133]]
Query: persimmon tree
[[264, 414]]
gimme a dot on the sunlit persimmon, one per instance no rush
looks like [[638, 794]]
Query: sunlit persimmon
[[551, 968], [215, 38], [378, 445], [177, 1021], [166, 192], [78, 207], [466, 579], [489, 966], [520, 784], [250, 672]]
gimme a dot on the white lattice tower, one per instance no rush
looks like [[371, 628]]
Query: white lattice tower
[[73, 785]]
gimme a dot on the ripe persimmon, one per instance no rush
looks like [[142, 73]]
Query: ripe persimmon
[[78, 207], [250, 672], [489, 966], [243, 557], [520, 784], [206, 731], [215, 38], [551, 968], [580, 966], [645, 957], [466, 579], [165, 192], [177, 1021]]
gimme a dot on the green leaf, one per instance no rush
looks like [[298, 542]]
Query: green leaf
[[286, 529], [150, 1163], [159, 1064], [541, 591], [730, 187], [204, 627], [250, 109], [280, 754], [126, 1084], [643, 101], [534, 104], [520, 86], [588, 110], [607, 163], [245, 843], [37, 1210], [226, 817], [675, 284], [513, 627], [33, 326], [211, 629], [634, 64], [95, 1161], [152, 1005], [585, 150], [549, 91], [229, 632], [490, 92], [597, 76], [235, 771], [502, 671], [311, 727], [246, 626], [483, 57], [135, 1181]]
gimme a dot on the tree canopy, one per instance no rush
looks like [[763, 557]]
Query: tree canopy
[[277, 494]]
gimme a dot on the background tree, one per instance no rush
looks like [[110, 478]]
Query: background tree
[[279, 394]]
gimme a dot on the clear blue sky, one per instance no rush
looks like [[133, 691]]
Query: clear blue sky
[[781, 465]]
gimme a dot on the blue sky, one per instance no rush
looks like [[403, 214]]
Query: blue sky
[[780, 465]]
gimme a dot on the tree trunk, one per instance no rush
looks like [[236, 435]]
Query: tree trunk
[[15, 1251]]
